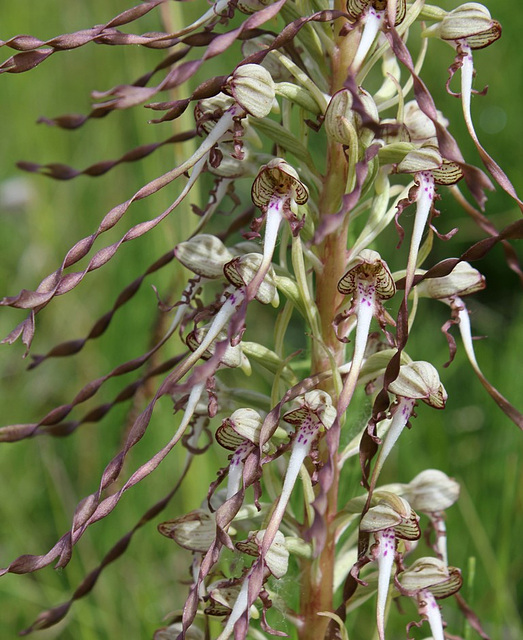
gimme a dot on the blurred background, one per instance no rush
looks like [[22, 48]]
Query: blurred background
[[43, 479]]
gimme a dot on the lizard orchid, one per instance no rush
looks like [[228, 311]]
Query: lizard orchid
[[369, 282]]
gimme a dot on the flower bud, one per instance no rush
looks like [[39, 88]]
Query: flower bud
[[461, 281], [278, 177], [204, 255], [194, 531], [431, 491], [470, 22], [241, 271], [339, 118], [431, 574], [420, 381], [243, 424], [252, 87], [368, 266]]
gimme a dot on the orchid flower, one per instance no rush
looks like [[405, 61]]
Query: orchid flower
[[429, 170], [369, 282], [374, 15], [462, 281], [239, 433], [416, 381], [391, 518], [466, 28], [276, 189], [314, 413], [240, 272], [275, 561], [427, 580], [432, 492]]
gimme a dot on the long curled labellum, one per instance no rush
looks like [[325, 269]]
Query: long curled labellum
[[368, 266], [278, 177], [355, 8]]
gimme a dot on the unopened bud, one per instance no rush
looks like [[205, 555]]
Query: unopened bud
[[253, 89], [204, 255], [339, 118], [420, 126]]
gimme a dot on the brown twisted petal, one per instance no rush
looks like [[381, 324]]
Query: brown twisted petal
[[278, 177], [368, 265], [355, 8]]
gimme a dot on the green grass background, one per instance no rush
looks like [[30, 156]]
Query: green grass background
[[41, 480]]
